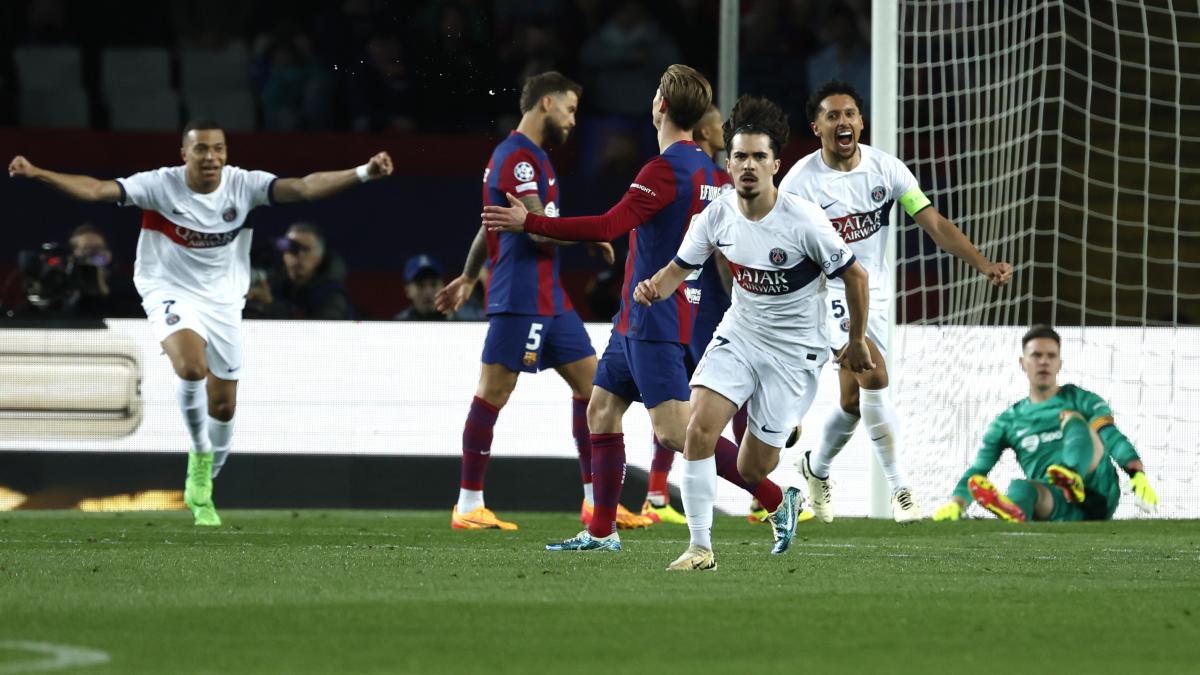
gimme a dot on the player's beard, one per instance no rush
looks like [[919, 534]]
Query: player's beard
[[553, 133]]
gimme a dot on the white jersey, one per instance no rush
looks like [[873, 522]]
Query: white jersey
[[778, 265], [859, 203], [192, 243]]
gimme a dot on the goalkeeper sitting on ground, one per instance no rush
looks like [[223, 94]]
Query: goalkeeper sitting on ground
[[1066, 443]]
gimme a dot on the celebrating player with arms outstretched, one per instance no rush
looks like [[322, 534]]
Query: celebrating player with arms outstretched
[[531, 324], [1066, 442], [769, 348], [856, 185], [193, 271], [646, 358]]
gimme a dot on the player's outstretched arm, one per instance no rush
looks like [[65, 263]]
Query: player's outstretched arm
[[947, 235], [660, 286], [856, 355], [83, 188], [328, 183]]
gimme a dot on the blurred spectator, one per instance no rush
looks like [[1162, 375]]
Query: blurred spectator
[[623, 61], [295, 92], [456, 63], [382, 94], [311, 284], [210, 23], [772, 64], [847, 55], [422, 281]]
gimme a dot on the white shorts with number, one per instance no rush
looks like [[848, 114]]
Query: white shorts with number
[[837, 316], [776, 388], [220, 327]]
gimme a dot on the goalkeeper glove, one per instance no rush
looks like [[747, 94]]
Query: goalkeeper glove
[[1143, 494], [951, 510]]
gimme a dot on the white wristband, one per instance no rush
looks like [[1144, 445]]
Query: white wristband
[[363, 173]]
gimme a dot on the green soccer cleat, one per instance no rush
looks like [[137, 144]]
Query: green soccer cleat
[[663, 514], [197, 490]]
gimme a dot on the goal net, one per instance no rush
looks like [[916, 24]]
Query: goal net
[[1062, 137]]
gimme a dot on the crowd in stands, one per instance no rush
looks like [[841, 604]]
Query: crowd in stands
[[375, 65]]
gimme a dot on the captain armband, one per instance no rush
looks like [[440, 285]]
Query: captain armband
[[913, 201]]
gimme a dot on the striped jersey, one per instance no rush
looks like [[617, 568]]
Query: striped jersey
[[656, 210], [524, 275]]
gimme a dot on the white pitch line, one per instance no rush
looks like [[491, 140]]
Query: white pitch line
[[51, 657]]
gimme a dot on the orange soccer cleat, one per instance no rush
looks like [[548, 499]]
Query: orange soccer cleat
[[626, 519], [481, 518], [985, 492]]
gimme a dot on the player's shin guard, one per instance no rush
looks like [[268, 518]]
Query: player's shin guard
[[767, 493], [608, 476], [583, 442], [698, 491], [836, 432], [1023, 493], [192, 396], [879, 416], [658, 493], [477, 448], [220, 434]]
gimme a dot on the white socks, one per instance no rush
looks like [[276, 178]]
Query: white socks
[[587, 494], [879, 416], [699, 491], [839, 427], [469, 500], [192, 397], [220, 434]]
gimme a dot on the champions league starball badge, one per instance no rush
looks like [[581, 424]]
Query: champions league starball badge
[[523, 171]]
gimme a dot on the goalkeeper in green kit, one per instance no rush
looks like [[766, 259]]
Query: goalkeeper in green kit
[[1066, 443]]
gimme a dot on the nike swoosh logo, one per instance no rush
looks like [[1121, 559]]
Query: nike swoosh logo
[[233, 369], [723, 341], [721, 244], [178, 212], [1022, 432], [485, 452], [552, 180], [770, 431], [825, 206]]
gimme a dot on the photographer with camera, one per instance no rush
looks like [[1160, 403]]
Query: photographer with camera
[[76, 280]]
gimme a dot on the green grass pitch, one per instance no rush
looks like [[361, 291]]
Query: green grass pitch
[[400, 592]]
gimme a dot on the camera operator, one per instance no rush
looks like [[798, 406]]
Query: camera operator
[[76, 280]]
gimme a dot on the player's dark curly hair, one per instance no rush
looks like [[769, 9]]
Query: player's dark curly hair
[[754, 115], [1040, 330], [831, 88]]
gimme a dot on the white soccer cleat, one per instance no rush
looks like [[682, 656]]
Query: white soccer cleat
[[695, 558], [904, 508], [820, 492]]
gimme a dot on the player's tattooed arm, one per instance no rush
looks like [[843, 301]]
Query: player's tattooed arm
[[453, 295], [83, 188], [328, 183], [947, 236]]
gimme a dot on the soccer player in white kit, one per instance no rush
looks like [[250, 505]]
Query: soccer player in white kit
[[193, 271], [856, 186], [769, 348]]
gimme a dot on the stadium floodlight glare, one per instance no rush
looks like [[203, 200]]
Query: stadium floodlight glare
[[69, 384]]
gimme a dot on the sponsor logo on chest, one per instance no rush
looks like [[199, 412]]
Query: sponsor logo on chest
[[858, 226], [767, 282]]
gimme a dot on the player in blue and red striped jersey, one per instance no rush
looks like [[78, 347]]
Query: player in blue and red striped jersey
[[531, 324], [647, 357]]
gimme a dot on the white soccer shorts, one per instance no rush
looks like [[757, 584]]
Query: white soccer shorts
[[776, 388], [837, 318], [220, 328]]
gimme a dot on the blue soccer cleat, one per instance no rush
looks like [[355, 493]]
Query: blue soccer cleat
[[783, 521], [584, 541]]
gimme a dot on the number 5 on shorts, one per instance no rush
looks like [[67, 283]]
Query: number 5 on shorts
[[535, 337], [839, 310]]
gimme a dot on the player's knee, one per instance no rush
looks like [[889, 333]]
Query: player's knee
[[600, 417], [222, 409], [850, 404], [191, 370], [752, 469]]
